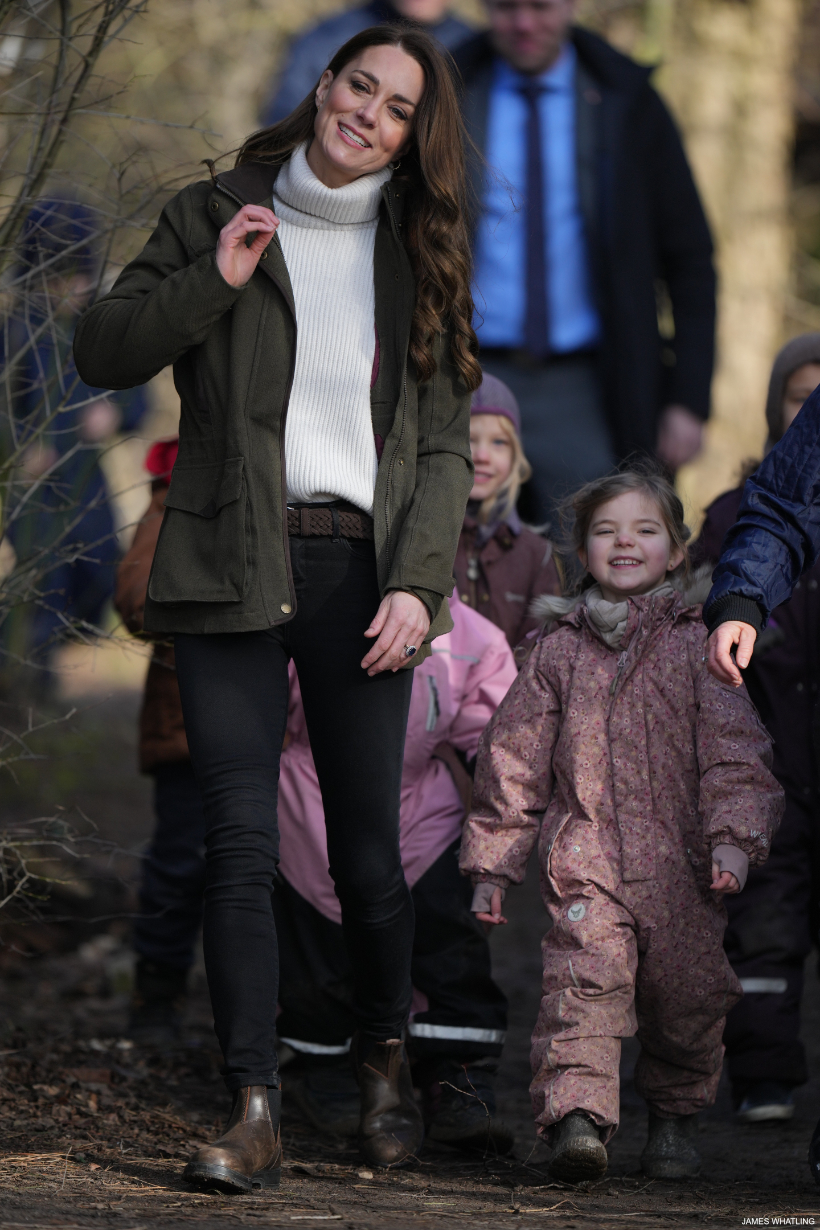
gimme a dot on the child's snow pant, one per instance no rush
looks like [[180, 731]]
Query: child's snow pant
[[642, 957]]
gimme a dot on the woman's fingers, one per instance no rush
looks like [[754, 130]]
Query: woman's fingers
[[236, 259], [721, 643], [404, 621], [491, 920], [723, 881]]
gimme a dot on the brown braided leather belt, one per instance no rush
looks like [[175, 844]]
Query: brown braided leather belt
[[334, 521]]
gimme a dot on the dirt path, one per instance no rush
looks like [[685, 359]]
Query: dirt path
[[93, 1131]]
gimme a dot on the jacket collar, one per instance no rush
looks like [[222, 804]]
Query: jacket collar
[[610, 67]]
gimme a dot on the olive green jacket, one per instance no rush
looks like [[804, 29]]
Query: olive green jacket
[[222, 562]]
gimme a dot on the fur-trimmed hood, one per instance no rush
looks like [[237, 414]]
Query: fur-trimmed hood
[[693, 591]]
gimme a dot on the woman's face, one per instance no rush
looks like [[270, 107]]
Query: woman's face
[[365, 116], [492, 454], [798, 387]]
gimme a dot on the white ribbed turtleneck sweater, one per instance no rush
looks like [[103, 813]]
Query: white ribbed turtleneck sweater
[[327, 237]]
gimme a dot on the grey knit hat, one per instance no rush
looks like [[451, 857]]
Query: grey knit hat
[[494, 397], [800, 350]]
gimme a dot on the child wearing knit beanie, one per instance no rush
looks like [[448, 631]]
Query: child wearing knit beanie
[[501, 565]]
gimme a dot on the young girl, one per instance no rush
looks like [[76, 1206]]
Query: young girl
[[656, 786], [501, 566]]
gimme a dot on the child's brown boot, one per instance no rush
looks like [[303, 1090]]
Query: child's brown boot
[[670, 1151], [577, 1154]]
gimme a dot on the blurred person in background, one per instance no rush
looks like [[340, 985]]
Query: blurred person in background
[[588, 207], [772, 924], [457, 1030], [63, 527], [309, 53], [501, 565]]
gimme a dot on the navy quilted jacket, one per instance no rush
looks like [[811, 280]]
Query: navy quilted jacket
[[777, 533]]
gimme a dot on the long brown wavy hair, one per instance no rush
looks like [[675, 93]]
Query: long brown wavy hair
[[432, 172]]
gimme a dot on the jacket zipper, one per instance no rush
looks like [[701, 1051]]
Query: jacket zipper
[[291, 373], [392, 463], [396, 236]]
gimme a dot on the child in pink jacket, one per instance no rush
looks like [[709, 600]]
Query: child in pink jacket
[[654, 784], [457, 1029]]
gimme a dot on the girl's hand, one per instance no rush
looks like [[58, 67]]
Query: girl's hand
[[723, 881], [495, 918], [724, 637], [402, 619], [235, 259]]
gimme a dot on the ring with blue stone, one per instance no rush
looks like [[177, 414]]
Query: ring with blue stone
[[409, 650]]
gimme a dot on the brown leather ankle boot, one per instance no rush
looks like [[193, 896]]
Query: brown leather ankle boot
[[391, 1129], [249, 1152]]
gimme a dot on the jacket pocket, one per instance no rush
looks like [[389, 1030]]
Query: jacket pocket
[[200, 555]]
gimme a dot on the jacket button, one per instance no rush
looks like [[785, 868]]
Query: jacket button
[[401, 461], [264, 256], [397, 277], [286, 608], [214, 205]]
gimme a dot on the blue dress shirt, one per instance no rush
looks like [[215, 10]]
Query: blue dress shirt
[[500, 251]]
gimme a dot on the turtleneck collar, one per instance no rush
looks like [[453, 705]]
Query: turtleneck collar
[[610, 618], [311, 203]]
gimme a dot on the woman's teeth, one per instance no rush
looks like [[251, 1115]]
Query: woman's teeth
[[353, 136], [625, 563]]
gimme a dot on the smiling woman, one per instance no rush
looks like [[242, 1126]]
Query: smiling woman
[[315, 304]]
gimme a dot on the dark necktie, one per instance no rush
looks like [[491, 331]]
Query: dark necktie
[[536, 323]]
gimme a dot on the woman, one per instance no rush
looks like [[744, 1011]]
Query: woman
[[316, 501]]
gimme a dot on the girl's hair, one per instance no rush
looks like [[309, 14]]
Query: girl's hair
[[578, 509], [499, 506], [432, 172]]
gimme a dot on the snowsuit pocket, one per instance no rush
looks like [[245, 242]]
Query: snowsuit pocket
[[200, 555]]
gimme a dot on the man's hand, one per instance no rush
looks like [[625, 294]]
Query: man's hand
[[495, 918], [723, 881], [235, 260], [401, 620], [680, 436], [720, 651]]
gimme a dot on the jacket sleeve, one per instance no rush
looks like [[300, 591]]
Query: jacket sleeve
[[514, 779], [777, 534], [444, 477], [741, 803], [684, 246], [487, 684], [163, 303], [135, 566]]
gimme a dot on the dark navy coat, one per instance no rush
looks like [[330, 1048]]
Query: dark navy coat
[[777, 534]]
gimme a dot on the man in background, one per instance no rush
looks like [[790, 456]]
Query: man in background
[[590, 231], [310, 53]]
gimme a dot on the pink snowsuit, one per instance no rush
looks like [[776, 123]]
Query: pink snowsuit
[[643, 764], [456, 690]]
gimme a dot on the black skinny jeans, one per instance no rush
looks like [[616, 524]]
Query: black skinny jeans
[[234, 689]]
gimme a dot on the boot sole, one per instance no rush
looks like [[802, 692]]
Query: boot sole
[[774, 1113], [230, 1181], [407, 1158], [580, 1167]]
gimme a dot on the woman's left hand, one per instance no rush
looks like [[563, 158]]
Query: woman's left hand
[[401, 620]]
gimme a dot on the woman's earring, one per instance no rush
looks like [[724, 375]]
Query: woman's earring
[[394, 166]]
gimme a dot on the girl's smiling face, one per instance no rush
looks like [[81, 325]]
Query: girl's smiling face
[[492, 452], [628, 549]]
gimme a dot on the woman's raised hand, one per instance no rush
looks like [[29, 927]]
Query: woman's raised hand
[[236, 259], [401, 620]]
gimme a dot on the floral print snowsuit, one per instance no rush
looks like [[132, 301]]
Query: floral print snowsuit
[[640, 764]]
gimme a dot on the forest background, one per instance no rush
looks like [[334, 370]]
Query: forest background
[[178, 81]]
